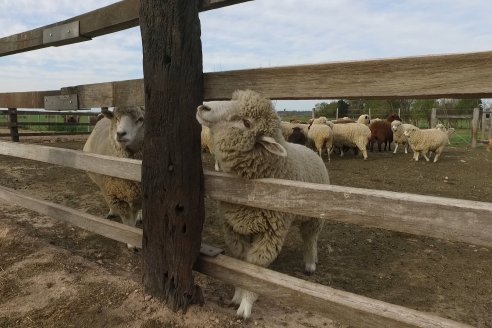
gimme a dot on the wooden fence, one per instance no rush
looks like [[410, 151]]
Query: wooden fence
[[68, 125], [464, 75]]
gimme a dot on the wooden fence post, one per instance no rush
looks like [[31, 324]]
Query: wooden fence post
[[14, 130], [490, 124], [474, 128], [483, 125], [433, 120], [172, 175]]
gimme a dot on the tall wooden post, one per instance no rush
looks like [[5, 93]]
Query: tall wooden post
[[172, 176], [433, 119], [14, 129], [474, 127]]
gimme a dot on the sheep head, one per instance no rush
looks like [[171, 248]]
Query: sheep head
[[395, 125], [127, 127], [244, 127]]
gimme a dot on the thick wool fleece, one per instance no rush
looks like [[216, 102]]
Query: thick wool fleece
[[124, 197]]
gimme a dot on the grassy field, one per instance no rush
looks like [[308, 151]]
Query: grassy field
[[24, 119]]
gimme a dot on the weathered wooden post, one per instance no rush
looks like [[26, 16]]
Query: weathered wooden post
[[172, 176], [14, 129], [433, 119], [474, 127]]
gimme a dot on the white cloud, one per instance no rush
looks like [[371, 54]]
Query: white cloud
[[261, 33]]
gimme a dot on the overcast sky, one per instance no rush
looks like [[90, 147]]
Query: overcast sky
[[260, 33]]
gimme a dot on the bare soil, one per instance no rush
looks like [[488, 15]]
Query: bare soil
[[55, 275]]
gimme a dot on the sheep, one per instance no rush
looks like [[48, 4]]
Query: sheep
[[248, 142], [399, 138], [207, 144], [297, 136], [381, 132], [287, 128], [120, 134], [424, 140], [322, 136], [351, 135], [364, 119]]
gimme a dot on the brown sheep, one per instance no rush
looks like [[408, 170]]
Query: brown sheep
[[381, 132], [297, 136]]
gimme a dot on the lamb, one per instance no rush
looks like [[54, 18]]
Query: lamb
[[399, 138], [120, 134], [425, 140], [322, 136], [351, 135], [248, 142]]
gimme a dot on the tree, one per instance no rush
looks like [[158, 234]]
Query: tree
[[172, 176], [343, 108]]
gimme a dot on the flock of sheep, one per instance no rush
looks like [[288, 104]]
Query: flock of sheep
[[248, 139]]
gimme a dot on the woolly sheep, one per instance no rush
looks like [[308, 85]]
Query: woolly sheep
[[248, 142], [322, 136], [424, 140], [399, 137], [364, 119], [351, 135], [120, 134]]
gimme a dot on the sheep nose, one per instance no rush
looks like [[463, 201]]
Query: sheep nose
[[204, 108], [120, 134]]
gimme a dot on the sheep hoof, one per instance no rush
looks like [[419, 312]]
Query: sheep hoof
[[244, 310], [310, 268]]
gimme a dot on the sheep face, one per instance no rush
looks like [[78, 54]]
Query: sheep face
[[409, 132], [127, 128], [395, 125], [245, 127]]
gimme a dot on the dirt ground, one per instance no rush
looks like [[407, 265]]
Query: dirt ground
[[55, 275]]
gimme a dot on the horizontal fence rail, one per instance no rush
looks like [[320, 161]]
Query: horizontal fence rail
[[454, 219], [451, 76], [343, 306], [116, 17]]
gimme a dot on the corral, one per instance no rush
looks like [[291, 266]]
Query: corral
[[453, 219]]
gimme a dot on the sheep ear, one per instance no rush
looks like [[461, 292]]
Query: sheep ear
[[272, 146], [105, 111]]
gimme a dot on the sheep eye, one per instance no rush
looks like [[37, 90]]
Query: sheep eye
[[247, 124]]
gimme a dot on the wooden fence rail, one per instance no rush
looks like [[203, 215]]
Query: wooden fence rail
[[455, 219], [466, 76], [115, 17], [339, 305]]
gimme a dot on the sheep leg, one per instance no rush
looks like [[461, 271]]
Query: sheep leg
[[264, 250], [217, 167], [310, 231], [396, 147], [406, 149], [424, 153], [416, 156], [328, 150]]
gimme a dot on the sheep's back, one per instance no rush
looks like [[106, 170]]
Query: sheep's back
[[350, 133]]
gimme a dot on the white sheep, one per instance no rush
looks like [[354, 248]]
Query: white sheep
[[399, 137], [322, 136], [351, 135], [364, 119], [120, 134], [248, 142], [424, 140]]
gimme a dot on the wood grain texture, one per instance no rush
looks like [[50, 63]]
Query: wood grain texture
[[351, 309], [103, 227], [29, 99], [452, 76], [438, 217], [124, 168], [115, 17]]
